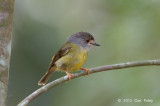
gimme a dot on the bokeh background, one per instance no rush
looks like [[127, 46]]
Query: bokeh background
[[128, 30]]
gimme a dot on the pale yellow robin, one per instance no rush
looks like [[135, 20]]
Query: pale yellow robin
[[71, 56]]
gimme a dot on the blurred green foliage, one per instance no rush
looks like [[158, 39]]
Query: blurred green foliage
[[127, 31]]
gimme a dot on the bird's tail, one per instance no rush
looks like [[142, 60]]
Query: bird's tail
[[47, 75]]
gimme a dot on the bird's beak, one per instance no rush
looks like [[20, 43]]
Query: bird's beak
[[95, 44]]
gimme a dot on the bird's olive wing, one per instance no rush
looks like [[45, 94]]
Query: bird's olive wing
[[62, 52]]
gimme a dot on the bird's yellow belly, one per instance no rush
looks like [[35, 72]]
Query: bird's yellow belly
[[72, 61]]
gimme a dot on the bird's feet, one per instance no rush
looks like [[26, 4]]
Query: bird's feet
[[88, 71], [69, 76]]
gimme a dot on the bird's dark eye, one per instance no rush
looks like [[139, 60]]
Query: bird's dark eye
[[87, 40]]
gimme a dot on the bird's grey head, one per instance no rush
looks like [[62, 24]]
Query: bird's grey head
[[83, 39]]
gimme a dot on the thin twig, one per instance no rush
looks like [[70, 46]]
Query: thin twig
[[81, 73]]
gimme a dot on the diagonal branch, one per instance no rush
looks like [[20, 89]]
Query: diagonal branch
[[61, 80]]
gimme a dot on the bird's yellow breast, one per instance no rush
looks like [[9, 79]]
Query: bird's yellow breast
[[73, 60]]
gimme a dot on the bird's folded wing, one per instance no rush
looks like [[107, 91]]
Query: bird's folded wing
[[62, 52]]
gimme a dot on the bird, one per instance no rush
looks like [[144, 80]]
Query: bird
[[71, 56]]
